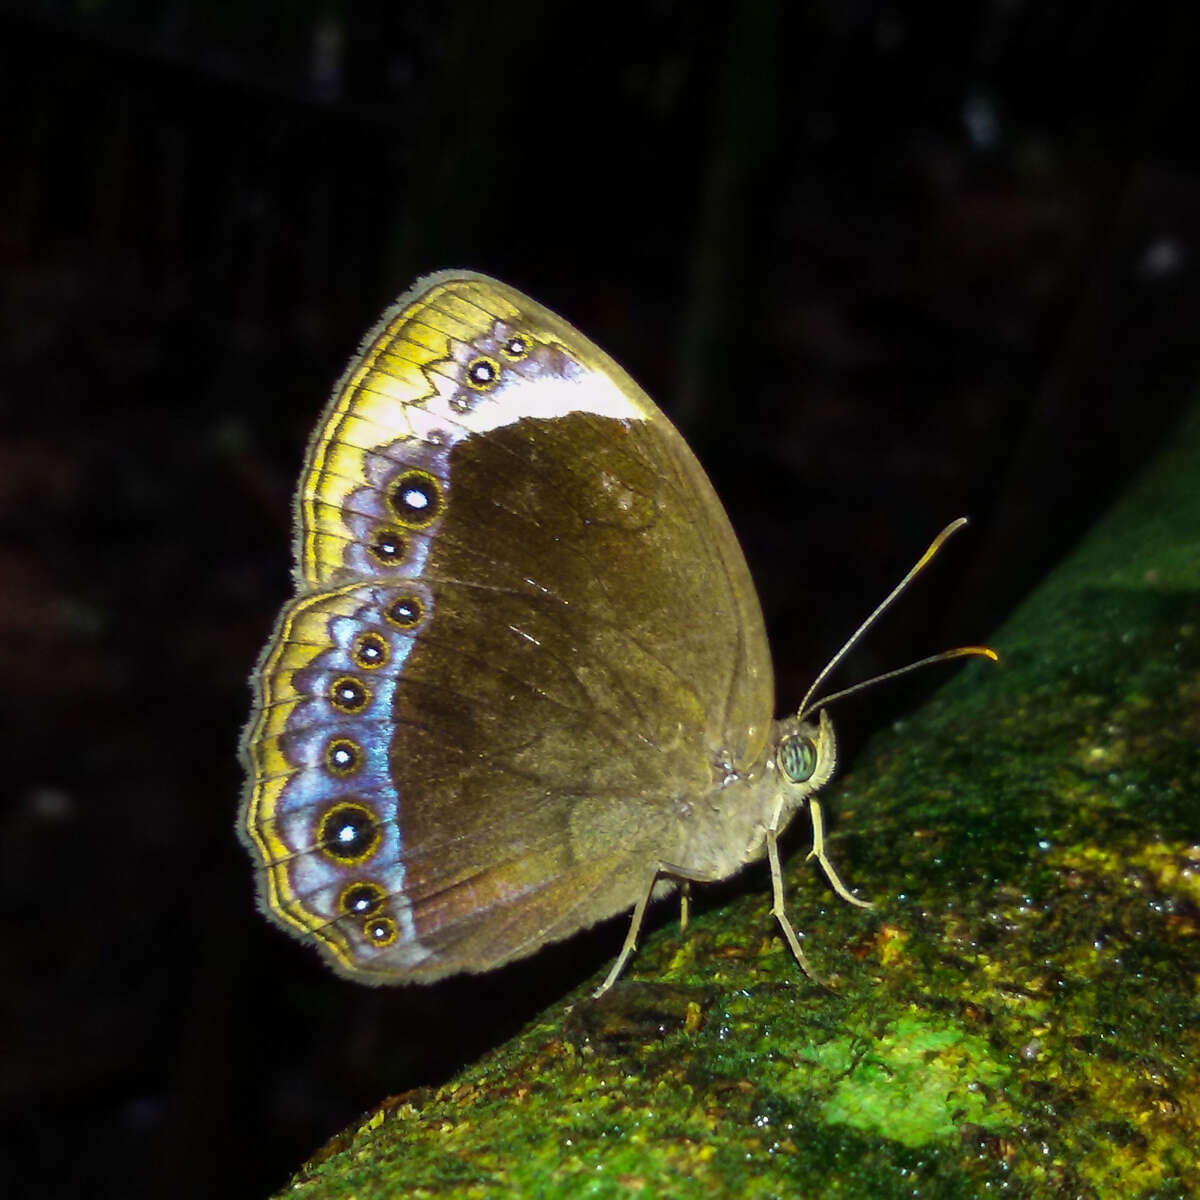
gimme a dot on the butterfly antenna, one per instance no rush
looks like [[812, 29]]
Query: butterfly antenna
[[938, 542]]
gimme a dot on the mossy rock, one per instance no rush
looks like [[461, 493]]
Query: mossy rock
[[1019, 1011]]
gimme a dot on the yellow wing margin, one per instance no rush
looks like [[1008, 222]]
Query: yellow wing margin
[[393, 373], [298, 638]]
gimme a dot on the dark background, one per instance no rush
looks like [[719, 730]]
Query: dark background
[[885, 263]]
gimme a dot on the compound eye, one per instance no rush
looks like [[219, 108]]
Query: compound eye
[[797, 757]]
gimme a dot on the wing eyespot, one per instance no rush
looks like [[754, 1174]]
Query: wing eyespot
[[415, 499], [370, 651], [482, 373], [349, 695], [349, 833]]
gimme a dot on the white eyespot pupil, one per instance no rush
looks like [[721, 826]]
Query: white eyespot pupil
[[347, 834], [415, 498]]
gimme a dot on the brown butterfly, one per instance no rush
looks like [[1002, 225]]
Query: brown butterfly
[[524, 682]]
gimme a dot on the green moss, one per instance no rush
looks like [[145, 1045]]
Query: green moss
[[917, 1082], [1020, 1009]]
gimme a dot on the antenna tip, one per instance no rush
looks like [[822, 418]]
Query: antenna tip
[[976, 651]]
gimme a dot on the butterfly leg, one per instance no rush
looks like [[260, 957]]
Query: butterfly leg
[[778, 911], [818, 852], [685, 878], [630, 944]]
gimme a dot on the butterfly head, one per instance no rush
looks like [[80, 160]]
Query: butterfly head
[[805, 757]]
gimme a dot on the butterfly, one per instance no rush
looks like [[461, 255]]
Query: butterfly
[[524, 683]]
